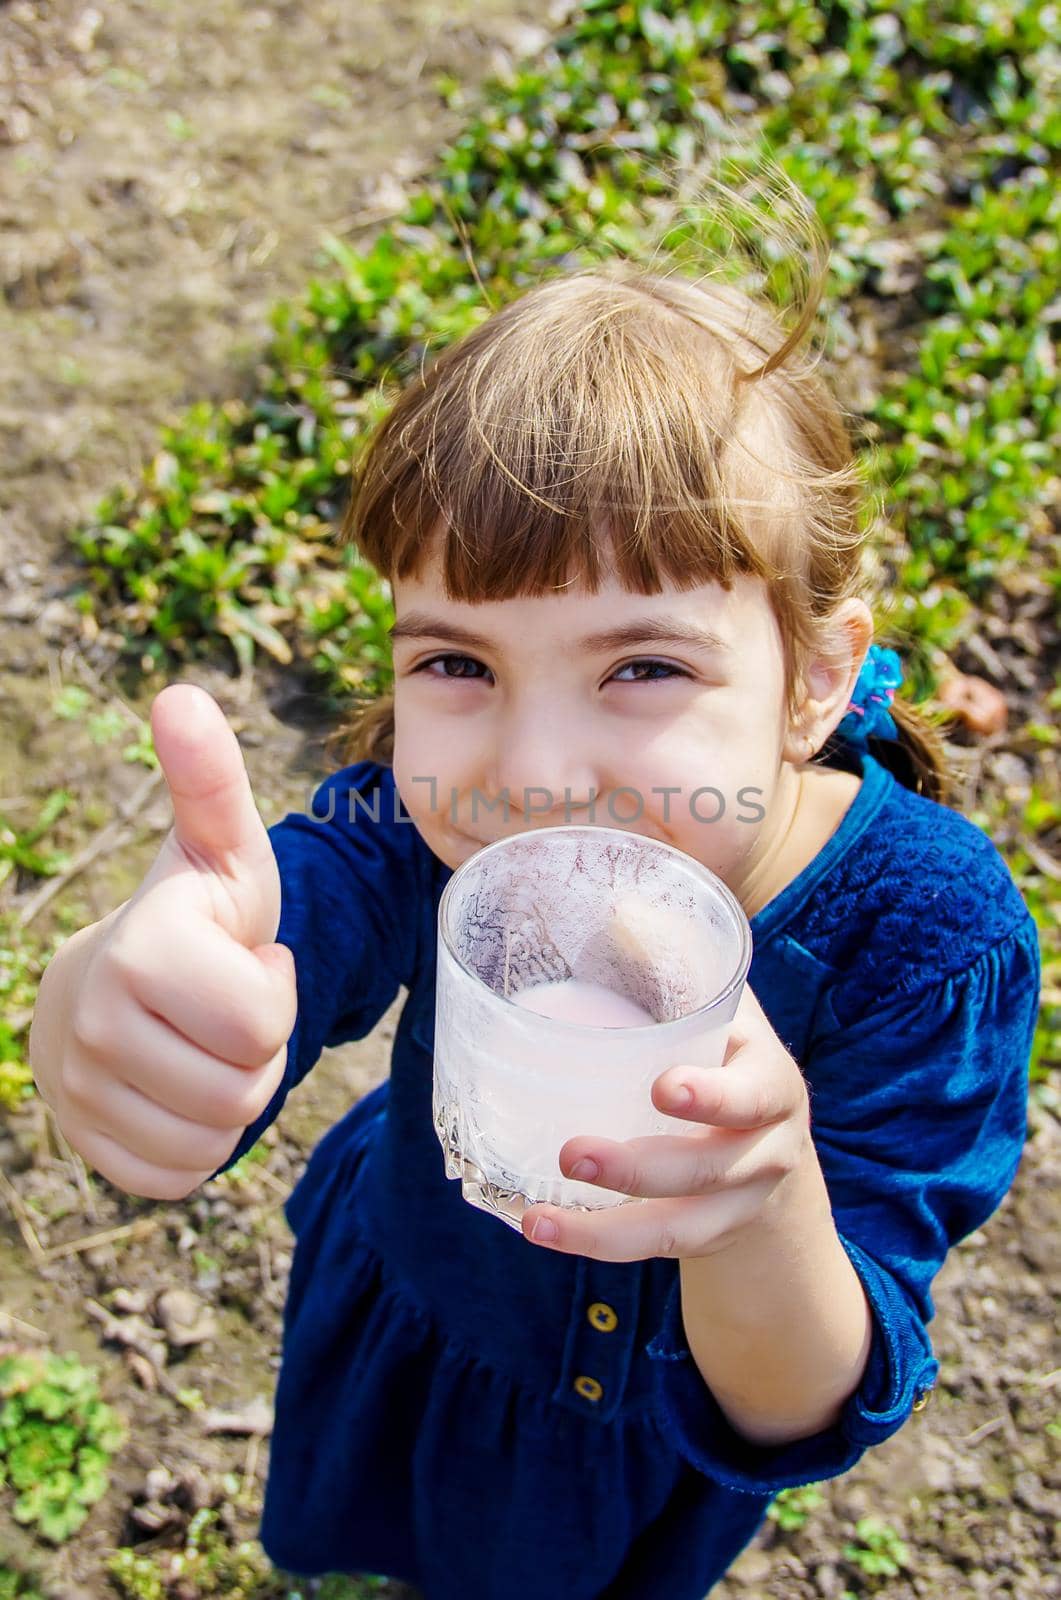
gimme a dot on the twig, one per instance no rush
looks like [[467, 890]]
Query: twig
[[265, 1208], [74, 1161], [265, 1268], [984, 1430], [9, 1323], [367, 217], [45, 1125], [1042, 859], [128, 1230], [72, 656], [283, 1189], [105, 840], [271, 1178], [22, 1218], [250, 1465]]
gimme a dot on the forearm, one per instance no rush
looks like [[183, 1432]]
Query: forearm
[[778, 1322]]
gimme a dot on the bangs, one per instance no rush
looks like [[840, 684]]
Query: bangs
[[591, 429]]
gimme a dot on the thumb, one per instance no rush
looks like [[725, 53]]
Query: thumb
[[214, 814]]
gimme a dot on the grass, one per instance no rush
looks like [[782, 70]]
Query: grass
[[924, 137]]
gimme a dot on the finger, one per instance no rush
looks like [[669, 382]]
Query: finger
[[170, 1070], [133, 1175], [215, 816], [641, 1229], [726, 1097], [665, 1166], [148, 1131], [218, 995]]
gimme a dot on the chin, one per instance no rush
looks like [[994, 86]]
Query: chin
[[455, 848]]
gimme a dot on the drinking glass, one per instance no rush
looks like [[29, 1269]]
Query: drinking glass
[[622, 922]]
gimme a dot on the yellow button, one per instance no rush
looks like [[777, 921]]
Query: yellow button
[[922, 1400], [588, 1388], [602, 1317]]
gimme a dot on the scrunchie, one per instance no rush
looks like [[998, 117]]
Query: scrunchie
[[867, 714]]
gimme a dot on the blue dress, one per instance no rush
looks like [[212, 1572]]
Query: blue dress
[[431, 1424]]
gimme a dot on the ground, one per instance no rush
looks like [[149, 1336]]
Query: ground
[[168, 171]]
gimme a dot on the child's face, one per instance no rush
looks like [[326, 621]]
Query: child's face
[[534, 708]]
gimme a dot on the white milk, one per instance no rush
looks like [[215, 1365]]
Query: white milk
[[521, 1121], [572, 1000]]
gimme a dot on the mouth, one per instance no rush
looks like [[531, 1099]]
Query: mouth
[[537, 827]]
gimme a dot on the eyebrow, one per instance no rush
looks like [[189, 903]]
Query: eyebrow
[[643, 630]]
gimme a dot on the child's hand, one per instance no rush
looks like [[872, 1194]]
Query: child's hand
[[164, 1032], [702, 1188]]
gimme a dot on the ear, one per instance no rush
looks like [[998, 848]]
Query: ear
[[829, 680]]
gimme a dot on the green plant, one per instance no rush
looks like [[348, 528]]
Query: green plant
[[966, 431], [880, 1552], [72, 703], [16, 1076], [56, 1439], [791, 1508], [16, 847], [136, 1577], [17, 1585], [242, 1171], [22, 960], [211, 1563]]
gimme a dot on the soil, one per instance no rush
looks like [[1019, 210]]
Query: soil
[[167, 171]]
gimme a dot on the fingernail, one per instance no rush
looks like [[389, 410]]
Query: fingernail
[[586, 1169], [683, 1097], [544, 1231]]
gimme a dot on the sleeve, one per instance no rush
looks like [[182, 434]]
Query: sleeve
[[353, 892], [919, 1116]]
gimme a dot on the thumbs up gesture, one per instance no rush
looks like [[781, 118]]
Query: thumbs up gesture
[[161, 1031]]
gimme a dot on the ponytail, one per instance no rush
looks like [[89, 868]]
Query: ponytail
[[917, 758]]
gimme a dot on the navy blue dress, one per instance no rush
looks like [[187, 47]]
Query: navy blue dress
[[430, 1420]]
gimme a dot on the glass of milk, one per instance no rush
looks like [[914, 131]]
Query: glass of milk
[[575, 964]]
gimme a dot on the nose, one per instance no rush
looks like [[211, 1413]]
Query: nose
[[543, 764]]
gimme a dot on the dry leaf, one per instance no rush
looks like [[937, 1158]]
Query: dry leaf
[[255, 1417], [975, 702]]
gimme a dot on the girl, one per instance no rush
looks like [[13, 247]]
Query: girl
[[622, 523], [605, 1407]]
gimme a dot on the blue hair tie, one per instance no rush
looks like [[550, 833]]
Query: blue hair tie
[[867, 714]]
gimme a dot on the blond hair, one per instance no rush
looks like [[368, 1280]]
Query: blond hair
[[617, 420]]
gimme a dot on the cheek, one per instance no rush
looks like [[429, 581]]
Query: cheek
[[696, 752], [706, 776], [427, 763]]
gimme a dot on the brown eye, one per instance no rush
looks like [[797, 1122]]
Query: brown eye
[[655, 668], [451, 660]]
